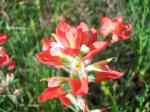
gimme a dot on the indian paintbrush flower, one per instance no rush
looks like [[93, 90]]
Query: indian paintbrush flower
[[73, 49], [116, 27]]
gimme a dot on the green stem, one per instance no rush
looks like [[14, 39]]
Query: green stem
[[114, 103], [74, 102], [79, 102]]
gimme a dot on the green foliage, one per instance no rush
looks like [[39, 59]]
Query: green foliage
[[28, 21]]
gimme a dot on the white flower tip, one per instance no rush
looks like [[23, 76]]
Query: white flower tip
[[84, 48]]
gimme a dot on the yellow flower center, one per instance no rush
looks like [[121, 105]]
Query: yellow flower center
[[77, 65]]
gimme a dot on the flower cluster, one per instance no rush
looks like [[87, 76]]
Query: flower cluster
[[5, 60], [73, 49]]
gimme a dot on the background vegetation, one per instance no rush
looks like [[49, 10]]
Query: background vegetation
[[28, 21]]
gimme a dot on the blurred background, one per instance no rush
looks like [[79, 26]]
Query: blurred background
[[28, 21]]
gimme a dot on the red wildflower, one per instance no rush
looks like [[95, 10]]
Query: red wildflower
[[3, 38], [116, 26], [73, 49]]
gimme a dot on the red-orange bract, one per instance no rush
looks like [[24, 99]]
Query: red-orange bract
[[106, 73], [79, 86], [3, 38], [4, 58], [55, 90]]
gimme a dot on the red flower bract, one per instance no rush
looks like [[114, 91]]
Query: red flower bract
[[55, 88], [64, 100], [79, 86], [97, 47], [51, 92], [45, 44], [11, 65], [107, 74], [4, 58], [46, 58], [3, 38]]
